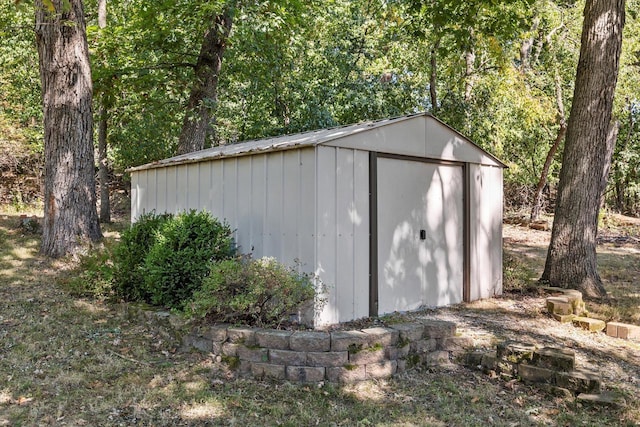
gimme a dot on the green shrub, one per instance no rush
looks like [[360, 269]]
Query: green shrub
[[181, 256], [129, 256], [259, 292], [93, 277]]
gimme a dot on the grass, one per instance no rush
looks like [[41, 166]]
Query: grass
[[68, 360]]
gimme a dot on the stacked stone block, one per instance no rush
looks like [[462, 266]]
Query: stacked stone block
[[552, 366], [339, 356]]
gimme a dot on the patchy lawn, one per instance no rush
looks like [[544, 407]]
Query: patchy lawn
[[71, 361]]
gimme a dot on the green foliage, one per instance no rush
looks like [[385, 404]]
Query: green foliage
[[129, 256], [93, 277], [259, 292], [181, 255]]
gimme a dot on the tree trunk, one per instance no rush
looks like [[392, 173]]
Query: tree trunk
[[571, 258], [103, 117], [70, 217], [562, 131], [433, 75], [196, 124], [103, 166]]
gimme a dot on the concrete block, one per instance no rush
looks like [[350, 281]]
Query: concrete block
[[593, 325], [310, 341], [348, 340], [557, 359], [384, 369], [288, 357], [489, 361], [606, 398], [623, 330], [305, 374], [272, 338], [563, 318], [348, 374], [327, 358], [386, 337]]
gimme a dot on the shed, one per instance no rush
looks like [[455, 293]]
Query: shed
[[391, 215]]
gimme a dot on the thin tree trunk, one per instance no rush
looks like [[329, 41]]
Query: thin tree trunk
[[433, 75], [103, 116], [470, 59], [70, 217], [196, 124], [103, 166], [562, 131], [571, 258], [527, 46]]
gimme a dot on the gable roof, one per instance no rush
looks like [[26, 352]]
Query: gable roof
[[299, 140]]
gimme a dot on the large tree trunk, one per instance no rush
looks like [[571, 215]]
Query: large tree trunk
[[203, 96], [562, 131], [571, 259], [70, 217]]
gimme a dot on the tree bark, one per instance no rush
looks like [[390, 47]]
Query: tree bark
[[571, 258], [562, 131], [103, 118], [196, 124], [70, 217], [433, 75]]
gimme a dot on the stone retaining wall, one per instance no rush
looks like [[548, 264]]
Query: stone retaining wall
[[339, 356]]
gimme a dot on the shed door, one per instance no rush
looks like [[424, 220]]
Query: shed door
[[420, 234]]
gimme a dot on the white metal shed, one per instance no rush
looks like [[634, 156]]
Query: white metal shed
[[391, 215]]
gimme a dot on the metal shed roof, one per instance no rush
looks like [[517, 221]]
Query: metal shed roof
[[285, 142]]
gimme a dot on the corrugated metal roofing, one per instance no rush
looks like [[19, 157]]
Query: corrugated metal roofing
[[284, 142]]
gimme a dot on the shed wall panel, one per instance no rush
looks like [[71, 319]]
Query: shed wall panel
[[275, 198], [230, 192], [161, 190], [182, 182], [486, 231], [258, 203], [215, 200], [244, 202], [171, 190], [290, 206], [359, 215], [306, 210]]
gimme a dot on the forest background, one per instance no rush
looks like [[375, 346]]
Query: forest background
[[501, 72]]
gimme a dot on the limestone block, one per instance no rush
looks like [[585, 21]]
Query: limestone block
[[515, 352], [579, 381], [246, 336], [271, 338], [327, 358], [383, 336], [554, 358], [456, 344], [623, 330], [348, 340], [305, 374], [438, 328], [288, 357], [395, 353], [267, 370], [489, 361], [348, 374], [367, 356], [217, 333], [437, 358], [384, 369], [535, 374], [559, 305], [423, 346], [593, 325], [409, 332], [310, 341], [564, 318], [252, 354], [230, 349]]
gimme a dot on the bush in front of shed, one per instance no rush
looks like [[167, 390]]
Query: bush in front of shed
[[181, 256], [130, 254], [260, 292]]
